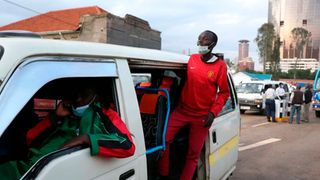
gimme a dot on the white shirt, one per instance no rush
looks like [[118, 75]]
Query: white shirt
[[270, 93], [280, 91]]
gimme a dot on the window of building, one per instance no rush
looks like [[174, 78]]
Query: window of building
[[304, 22], [281, 23]]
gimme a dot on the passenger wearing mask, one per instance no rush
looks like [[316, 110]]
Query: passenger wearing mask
[[80, 121], [199, 104]]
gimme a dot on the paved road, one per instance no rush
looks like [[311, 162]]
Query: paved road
[[291, 151]]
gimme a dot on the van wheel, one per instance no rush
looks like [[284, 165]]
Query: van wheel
[[242, 111], [317, 113]]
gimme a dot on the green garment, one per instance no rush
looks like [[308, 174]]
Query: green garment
[[90, 124]]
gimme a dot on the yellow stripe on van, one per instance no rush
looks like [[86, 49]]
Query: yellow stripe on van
[[223, 150]]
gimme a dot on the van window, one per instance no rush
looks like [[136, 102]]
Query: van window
[[250, 88], [12, 143], [230, 104]]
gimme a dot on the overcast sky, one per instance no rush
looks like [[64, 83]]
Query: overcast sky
[[180, 21]]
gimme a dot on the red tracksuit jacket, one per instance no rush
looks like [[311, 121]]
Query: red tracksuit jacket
[[206, 87]]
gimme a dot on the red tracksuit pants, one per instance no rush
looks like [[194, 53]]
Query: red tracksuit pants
[[197, 136]]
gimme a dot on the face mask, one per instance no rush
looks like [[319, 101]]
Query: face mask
[[79, 111], [203, 49]]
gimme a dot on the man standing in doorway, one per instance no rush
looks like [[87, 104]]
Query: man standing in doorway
[[200, 103]]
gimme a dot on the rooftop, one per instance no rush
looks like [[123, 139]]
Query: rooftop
[[67, 19]]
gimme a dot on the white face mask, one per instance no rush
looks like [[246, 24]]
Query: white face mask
[[204, 49], [79, 111]]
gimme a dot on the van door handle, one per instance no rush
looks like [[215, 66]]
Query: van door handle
[[127, 174], [214, 137]]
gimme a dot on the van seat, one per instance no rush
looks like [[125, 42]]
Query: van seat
[[153, 114]]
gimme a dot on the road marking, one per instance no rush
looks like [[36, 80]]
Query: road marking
[[240, 144], [261, 124], [261, 143]]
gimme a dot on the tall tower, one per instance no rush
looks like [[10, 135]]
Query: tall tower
[[243, 49]]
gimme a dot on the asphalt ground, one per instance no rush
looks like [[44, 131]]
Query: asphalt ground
[[278, 150]]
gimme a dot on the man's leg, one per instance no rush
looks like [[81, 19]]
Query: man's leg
[[298, 114], [268, 110], [306, 108], [292, 113], [197, 136], [273, 111], [176, 122]]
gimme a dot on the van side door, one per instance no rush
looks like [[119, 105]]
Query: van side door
[[222, 144]]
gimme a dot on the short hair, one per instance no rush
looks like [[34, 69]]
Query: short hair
[[212, 36]]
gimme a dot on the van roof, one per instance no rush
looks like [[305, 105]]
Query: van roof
[[17, 49]]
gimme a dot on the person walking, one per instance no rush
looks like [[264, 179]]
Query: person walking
[[296, 99], [199, 104], [270, 95], [307, 101]]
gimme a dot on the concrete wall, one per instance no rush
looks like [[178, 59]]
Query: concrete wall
[[108, 28], [132, 31], [94, 28]]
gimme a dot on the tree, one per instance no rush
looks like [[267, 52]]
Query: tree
[[265, 40], [300, 38], [276, 55]]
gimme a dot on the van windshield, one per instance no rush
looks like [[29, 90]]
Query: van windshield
[[250, 88]]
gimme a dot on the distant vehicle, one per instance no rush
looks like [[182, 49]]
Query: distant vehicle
[[316, 94], [250, 94]]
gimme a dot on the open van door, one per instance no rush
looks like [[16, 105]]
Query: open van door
[[222, 144]]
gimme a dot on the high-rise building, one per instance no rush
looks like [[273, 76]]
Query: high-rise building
[[286, 15], [243, 49], [244, 61]]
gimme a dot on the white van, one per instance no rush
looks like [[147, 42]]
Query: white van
[[250, 94], [36, 73]]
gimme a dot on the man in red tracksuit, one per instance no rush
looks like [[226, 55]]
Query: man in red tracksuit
[[200, 103]]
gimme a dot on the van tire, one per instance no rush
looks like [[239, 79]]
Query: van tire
[[242, 111], [317, 113]]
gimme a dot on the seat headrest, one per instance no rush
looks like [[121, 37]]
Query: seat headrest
[[148, 103]]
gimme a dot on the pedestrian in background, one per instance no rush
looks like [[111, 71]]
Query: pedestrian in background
[[280, 91], [296, 99], [270, 95], [307, 101]]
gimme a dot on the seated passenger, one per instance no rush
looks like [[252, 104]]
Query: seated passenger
[[80, 121]]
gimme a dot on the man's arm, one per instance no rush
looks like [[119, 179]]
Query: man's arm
[[223, 93], [118, 143]]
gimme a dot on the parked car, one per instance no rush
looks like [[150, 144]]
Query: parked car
[[250, 94]]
